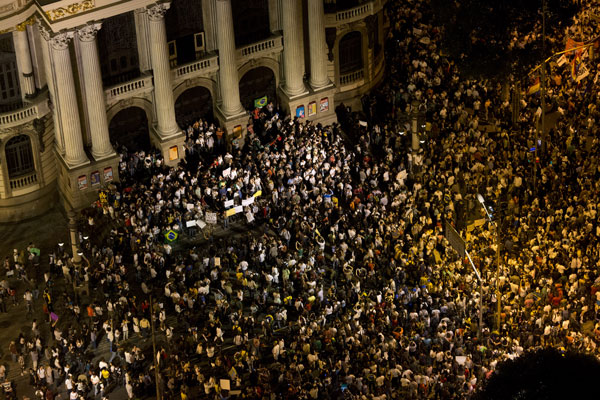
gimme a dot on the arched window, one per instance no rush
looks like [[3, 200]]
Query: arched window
[[351, 58], [19, 157]]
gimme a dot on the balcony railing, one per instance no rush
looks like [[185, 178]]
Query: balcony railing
[[353, 14], [126, 89], [356, 12], [271, 45], [18, 116], [23, 181], [204, 65], [351, 77]]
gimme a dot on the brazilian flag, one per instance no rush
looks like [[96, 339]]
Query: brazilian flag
[[171, 236], [260, 103]]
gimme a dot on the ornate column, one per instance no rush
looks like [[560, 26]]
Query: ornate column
[[228, 76], [209, 21], [95, 102], [316, 37], [141, 35], [293, 56], [67, 99], [58, 136], [163, 92], [24, 60]]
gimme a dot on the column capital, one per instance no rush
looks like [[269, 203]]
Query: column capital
[[157, 11], [45, 32], [59, 41], [88, 33], [23, 25]]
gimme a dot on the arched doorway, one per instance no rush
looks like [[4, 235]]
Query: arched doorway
[[129, 128], [351, 57], [256, 83], [193, 104]]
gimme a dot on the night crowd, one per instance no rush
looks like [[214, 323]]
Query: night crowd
[[341, 283]]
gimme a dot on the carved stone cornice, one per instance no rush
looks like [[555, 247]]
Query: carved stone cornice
[[70, 10]]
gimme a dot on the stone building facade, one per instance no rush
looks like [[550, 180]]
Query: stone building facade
[[78, 77]]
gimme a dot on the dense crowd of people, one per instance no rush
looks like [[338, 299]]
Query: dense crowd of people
[[344, 285]]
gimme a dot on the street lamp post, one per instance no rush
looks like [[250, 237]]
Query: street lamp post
[[74, 238], [415, 125], [498, 294], [480, 295]]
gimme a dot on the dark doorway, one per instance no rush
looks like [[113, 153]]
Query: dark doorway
[[193, 104], [256, 83], [129, 128]]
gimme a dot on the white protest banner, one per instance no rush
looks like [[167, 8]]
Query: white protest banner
[[211, 218], [226, 172], [238, 209], [225, 384], [190, 223], [247, 202], [228, 203], [582, 73], [249, 217], [201, 224]]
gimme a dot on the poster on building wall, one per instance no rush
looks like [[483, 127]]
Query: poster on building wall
[[173, 153], [324, 104], [237, 131], [95, 178], [82, 182], [300, 111], [312, 108], [108, 174]]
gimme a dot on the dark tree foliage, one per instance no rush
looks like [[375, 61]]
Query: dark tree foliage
[[544, 374], [478, 32]]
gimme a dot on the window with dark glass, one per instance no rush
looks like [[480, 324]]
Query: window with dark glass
[[19, 157], [250, 21], [350, 48]]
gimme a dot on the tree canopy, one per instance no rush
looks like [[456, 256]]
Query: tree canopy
[[543, 374], [479, 32]]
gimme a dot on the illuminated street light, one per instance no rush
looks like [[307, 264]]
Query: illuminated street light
[[481, 200]]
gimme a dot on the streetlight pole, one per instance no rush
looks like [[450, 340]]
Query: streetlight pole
[[74, 238], [415, 125], [480, 294], [154, 355], [498, 294], [536, 145]]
